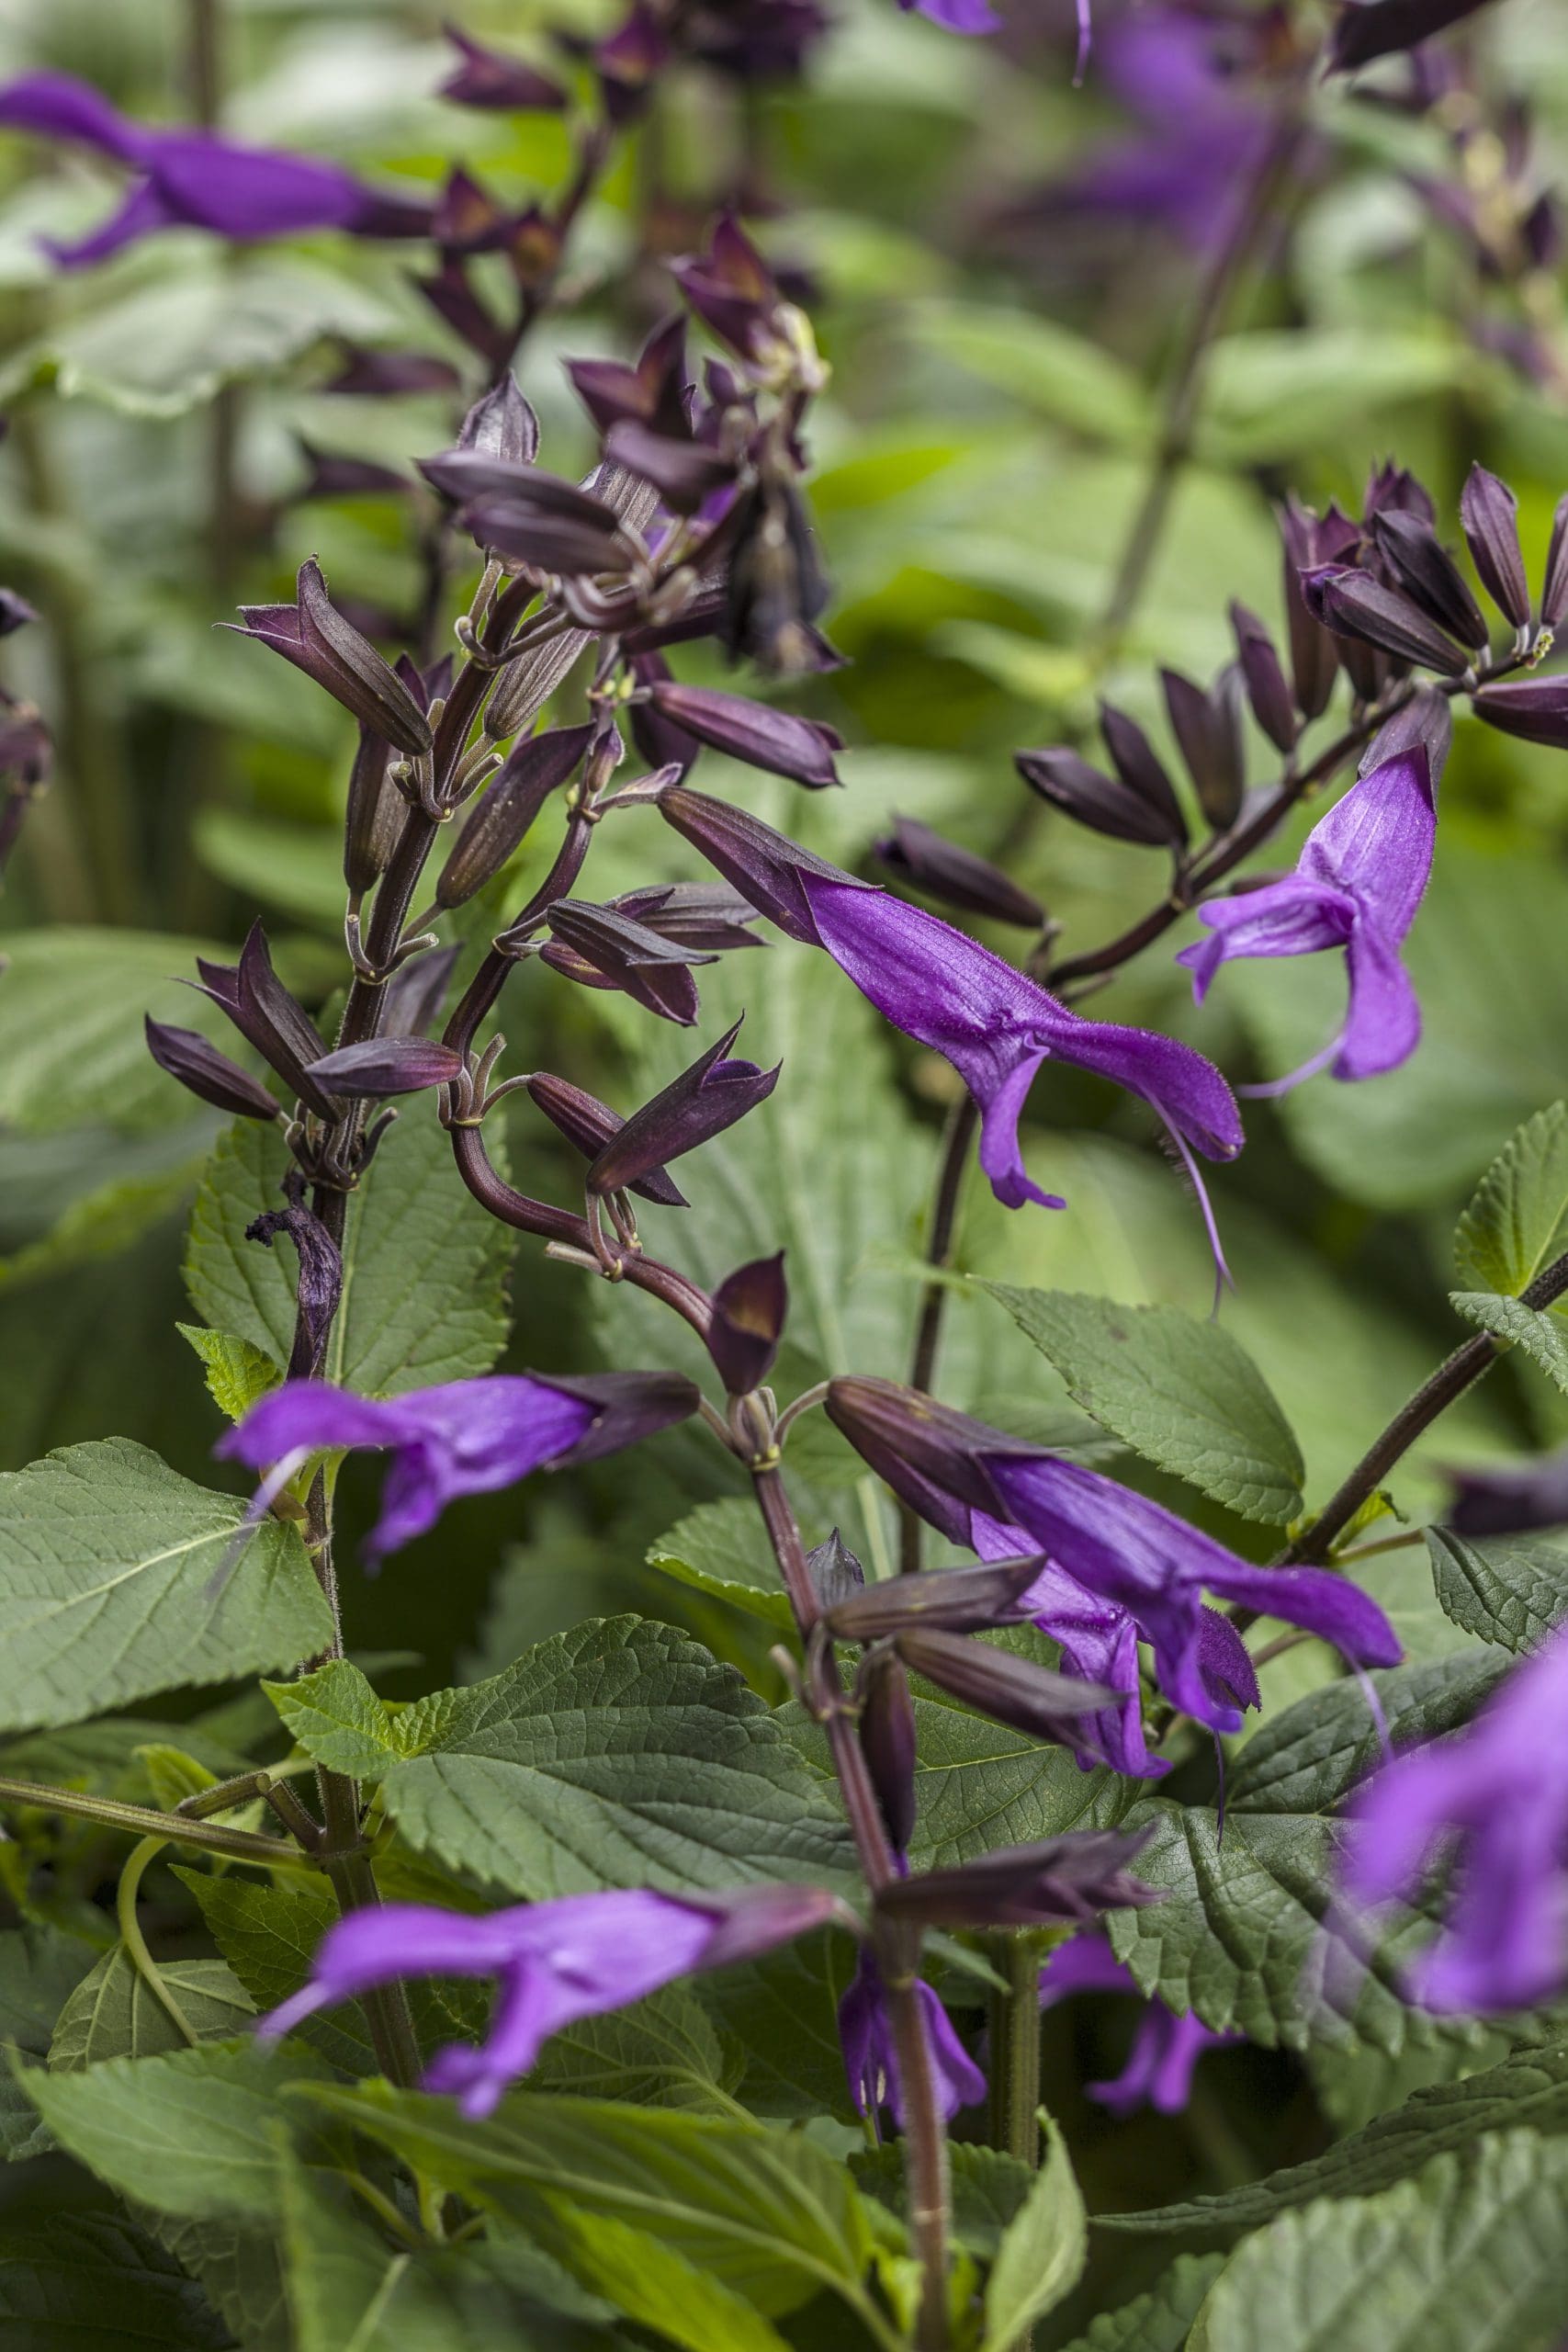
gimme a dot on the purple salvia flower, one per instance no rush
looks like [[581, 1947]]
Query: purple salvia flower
[[1357, 884], [957, 16], [465, 1437], [1166, 2048], [1126, 1549], [1498, 1791], [193, 179], [557, 1961], [871, 2061]]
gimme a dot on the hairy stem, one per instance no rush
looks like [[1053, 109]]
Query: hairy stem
[[146, 1821], [1015, 2046]]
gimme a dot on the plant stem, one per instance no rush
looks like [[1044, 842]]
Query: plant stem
[[1015, 2046], [145, 1821], [135, 1942]]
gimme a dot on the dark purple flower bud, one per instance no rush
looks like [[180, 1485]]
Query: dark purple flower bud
[[1103, 802], [1314, 659], [926, 1452], [1207, 727], [1273, 705], [184, 1054], [835, 1571], [887, 1740], [510, 803], [626, 1408], [268, 1018], [500, 426], [775, 585], [684, 473], [339, 477], [1425, 723], [468, 218], [1365, 30], [1510, 1497], [764, 866], [956, 876], [384, 1066], [697, 914], [538, 520], [388, 375], [629, 63], [319, 1287], [14, 612], [318, 640], [451, 295], [487, 78], [653, 394], [775, 740], [733, 291], [749, 1310], [414, 997], [1490, 513], [953, 1600], [374, 816], [1354, 604], [588, 1125], [1068, 1878], [1423, 567], [1009, 1690], [660, 741], [1555, 587], [709, 1096], [1535, 709], [1392, 489], [1132, 757], [604, 949]]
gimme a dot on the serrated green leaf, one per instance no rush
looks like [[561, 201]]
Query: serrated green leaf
[[71, 2279], [115, 2013], [1182, 1393], [620, 1753], [782, 2014], [1471, 2256], [237, 1372], [722, 1549], [193, 2134], [1528, 2091], [663, 2051], [1541, 1335], [337, 1717], [424, 1268], [1159, 2319], [109, 1560], [1517, 1221], [1042, 2251], [1309, 1756], [1512, 1590], [766, 2213], [40, 1969], [241, 2271]]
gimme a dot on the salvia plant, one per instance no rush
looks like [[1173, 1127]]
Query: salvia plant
[[951, 1825]]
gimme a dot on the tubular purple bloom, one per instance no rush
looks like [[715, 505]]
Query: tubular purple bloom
[[194, 179], [1498, 1791], [465, 1437], [1357, 884], [1166, 2048], [557, 1961], [871, 2060], [958, 15], [1133, 1553]]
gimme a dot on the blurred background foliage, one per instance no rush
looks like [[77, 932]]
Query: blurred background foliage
[[998, 349]]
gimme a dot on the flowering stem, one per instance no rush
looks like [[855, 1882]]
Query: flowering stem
[[1015, 2046]]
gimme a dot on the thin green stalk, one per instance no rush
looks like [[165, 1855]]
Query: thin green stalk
[[145, 1821], [135, 1943], [1015, 2046]]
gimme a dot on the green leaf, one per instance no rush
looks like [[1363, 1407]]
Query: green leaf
[[1159, 2321], [72, 1044], [663, 2051], [193, 2134], [1517, 1221], [722, 1549], [424, 1268], [1469, 2258], [978, 1785], [989, 2188], [1272, 393], [1182, 1393], [1043, 2252], [648, 2279], [68, 2281], [169, 344], [237, 1372], [1508, 1589], [766, 2213], [103, 1222], [1061, 374], [1241, 1936], [108, 1559], [40, 1969], [1528, 2091], [241, 2271], [620, 1753], [335, 1716], [1541, 1335], [782, 2013], [115, 2013]]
